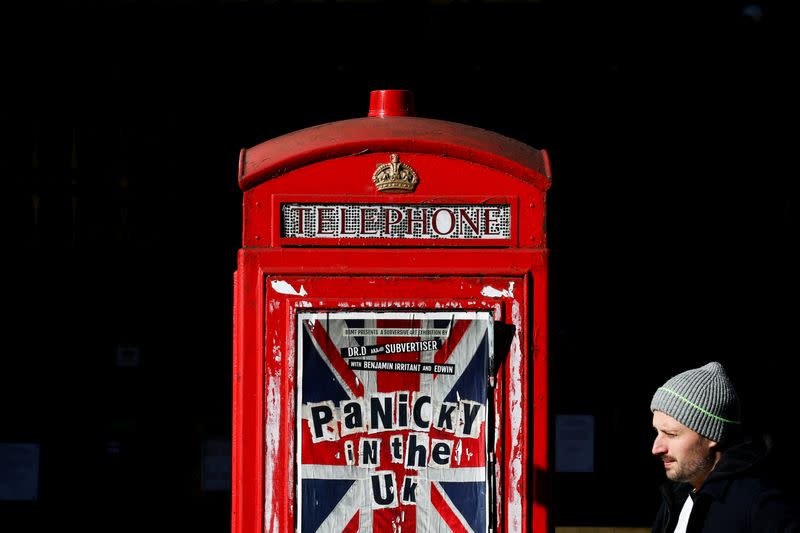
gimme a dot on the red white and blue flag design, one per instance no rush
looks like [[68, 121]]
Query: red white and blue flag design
[[393, 436]]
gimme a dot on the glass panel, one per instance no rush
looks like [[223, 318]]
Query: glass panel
[[393, 433]]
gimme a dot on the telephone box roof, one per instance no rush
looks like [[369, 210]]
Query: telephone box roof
[[392, 133]]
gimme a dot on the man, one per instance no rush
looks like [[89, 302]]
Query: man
[[718, 478]]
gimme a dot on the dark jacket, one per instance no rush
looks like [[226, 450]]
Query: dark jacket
[[741, 495]]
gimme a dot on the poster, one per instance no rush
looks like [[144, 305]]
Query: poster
[[19, 471], [574, 443], [392, 434]]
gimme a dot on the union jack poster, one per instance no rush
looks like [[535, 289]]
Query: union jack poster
[[392, 433]]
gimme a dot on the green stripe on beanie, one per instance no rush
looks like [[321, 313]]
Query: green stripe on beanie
[[702, 399]]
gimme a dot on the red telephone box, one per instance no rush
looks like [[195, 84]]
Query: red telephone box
[[390, 329]]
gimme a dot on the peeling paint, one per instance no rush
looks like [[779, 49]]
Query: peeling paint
[[283, 287], [272, 438], [515, 503], [491, 292], [515, 400], [397, 526]]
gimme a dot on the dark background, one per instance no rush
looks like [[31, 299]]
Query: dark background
[[672, 218]]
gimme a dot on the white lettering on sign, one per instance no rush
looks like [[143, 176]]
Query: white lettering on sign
[[395, 221]]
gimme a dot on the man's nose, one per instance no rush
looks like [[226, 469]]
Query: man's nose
[[658, 447]]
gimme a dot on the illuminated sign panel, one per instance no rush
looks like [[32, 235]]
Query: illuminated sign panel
[[395, 221]]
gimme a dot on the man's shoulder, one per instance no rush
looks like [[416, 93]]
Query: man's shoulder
[[760, 491]]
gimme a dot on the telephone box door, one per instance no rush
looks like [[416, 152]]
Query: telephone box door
[[397, 415]]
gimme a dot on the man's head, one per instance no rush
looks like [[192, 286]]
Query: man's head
[[702, 399], [693, 414]]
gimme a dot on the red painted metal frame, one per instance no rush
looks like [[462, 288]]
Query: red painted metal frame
[[264, 352]]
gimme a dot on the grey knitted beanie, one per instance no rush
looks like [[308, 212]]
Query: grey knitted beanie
[[702, 399]]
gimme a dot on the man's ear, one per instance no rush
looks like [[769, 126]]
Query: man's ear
[[713, 445]]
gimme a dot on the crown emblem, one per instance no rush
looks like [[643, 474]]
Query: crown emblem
[[394, 176]]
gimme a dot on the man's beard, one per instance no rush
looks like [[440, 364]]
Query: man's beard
[[692, 468]]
